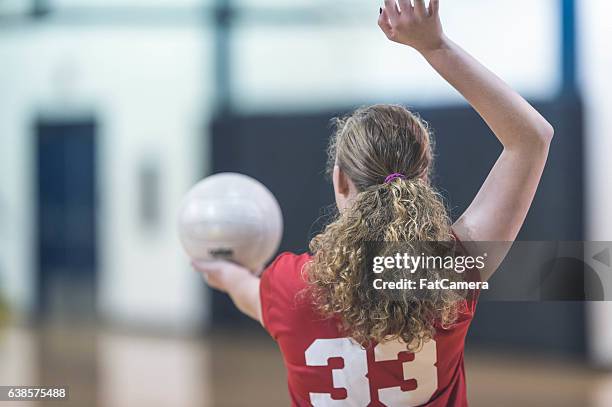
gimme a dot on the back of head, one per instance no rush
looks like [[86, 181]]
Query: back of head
[[368, 146]]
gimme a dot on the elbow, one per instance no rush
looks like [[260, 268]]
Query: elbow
[[534, 140], [546, 133], [542, 136]]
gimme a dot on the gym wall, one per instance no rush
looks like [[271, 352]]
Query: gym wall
[[287, 153]]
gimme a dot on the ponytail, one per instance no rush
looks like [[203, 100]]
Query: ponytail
[[396, 209]]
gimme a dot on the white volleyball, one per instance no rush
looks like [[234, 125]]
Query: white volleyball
[[231, 216]]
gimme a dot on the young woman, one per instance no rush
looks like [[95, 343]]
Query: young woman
[[341, 345]]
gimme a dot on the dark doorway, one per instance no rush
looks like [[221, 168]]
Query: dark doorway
[[66, 219]]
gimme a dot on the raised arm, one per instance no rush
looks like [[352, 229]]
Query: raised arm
[[500, 207]]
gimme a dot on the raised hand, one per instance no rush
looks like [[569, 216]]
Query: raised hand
[[417, 26]]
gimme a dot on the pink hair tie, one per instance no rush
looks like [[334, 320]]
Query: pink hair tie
[[393, 177]]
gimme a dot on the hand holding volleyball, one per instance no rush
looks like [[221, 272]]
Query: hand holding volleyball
[[231, 217], [221, 275], [417, 26]]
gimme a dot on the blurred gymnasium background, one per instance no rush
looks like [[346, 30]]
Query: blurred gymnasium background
[[110, 110]]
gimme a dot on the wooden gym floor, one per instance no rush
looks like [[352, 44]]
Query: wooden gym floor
[[107, 368]]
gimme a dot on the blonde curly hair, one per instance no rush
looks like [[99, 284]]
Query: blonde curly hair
[[367, 146]]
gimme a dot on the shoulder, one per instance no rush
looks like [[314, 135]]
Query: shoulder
[[285, 266], [288, 259], [285, 272], [281, 281], [468, 307]]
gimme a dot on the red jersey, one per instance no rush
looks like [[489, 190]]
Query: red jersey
[[326, 369]]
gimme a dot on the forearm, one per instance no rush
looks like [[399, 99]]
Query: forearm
[[238, 282], [513, 120], [245, 294]]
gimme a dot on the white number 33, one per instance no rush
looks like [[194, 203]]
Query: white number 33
[[352, 377]]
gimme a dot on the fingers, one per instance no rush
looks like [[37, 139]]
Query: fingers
[[205, 277], [207, 266], [434, 7], [213, 272], [391, 10], [419, 8], [384, 24], [405, 7]]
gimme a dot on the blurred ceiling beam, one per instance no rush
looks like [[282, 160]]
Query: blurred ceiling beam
[[43, 12]]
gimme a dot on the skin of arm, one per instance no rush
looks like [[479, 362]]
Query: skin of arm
[[499, 209], [238, 282]]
